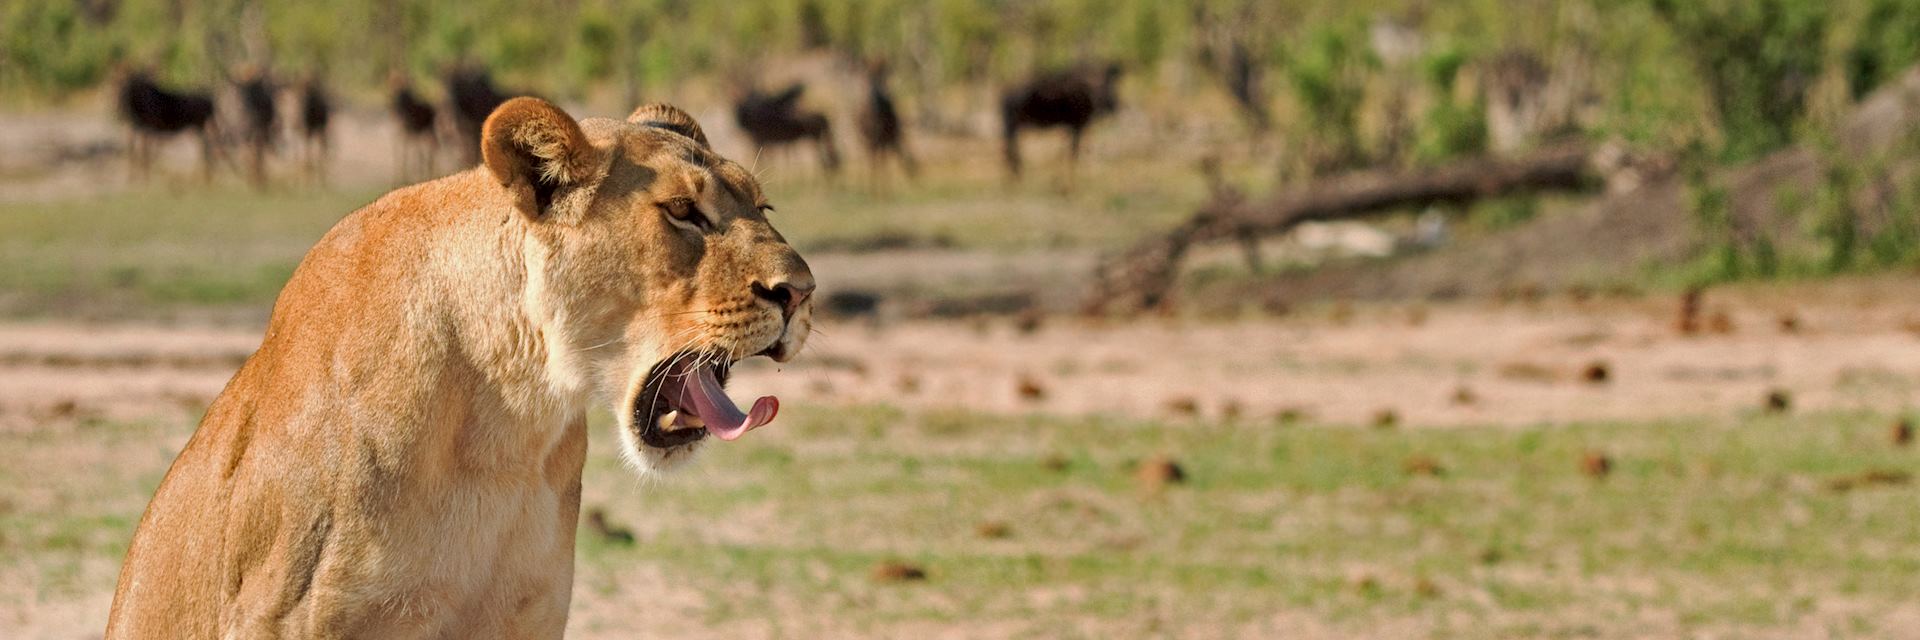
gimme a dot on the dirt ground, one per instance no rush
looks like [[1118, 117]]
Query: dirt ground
[[1852, 345], [1472, 375]]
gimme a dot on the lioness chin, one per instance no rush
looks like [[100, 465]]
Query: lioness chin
[[402, 456]]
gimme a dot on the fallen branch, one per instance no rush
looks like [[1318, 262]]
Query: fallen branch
[[1141, 277]]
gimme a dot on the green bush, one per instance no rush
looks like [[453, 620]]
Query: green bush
[[1328, 73], [1757, 59], [48, 47], [1449, 128], [1887, 42]]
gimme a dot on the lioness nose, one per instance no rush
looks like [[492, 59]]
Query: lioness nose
[[786, 293]]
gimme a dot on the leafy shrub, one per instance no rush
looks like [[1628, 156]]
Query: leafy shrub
[[1327, 72], [1888, 41], [1757, 59]]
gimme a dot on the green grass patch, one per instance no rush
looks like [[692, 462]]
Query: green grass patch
[[1733, 526], [1731, 518], [138, 253]]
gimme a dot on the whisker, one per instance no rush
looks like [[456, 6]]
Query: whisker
[[596, 346], [663, 315], [668, 368], [681, 313]]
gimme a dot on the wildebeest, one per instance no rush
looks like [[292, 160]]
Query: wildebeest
[[471, 97], [316, 111], [1071, 98], [774, 120], [416, 118], [154, 113], [259, 116], [880, 125]]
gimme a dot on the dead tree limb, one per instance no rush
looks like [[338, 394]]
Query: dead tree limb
[[1141, 277]]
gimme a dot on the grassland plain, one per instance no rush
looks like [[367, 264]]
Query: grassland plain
[[161, 252], [1031, 526]]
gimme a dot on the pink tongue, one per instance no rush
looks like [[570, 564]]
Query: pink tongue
[[723, 419]]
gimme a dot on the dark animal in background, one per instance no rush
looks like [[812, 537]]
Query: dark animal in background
[[1244, 82], [416, 118], [1072, 99], [471, 97], [880, 125], [155, 113], [316, 111], [259, 116], [776, 120]]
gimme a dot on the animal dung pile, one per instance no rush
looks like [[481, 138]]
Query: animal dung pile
[[1232, 410], [1694, 320], [1159, 472], [1386, 419], [1865, 479], [993, 530], [64, 409], [1183, 406], [1778, 401], [1596, 372], [1422, 465], [1720, 323], [1688, 322], [1463, 396], [1788, 322], [1029, 388], [894, 571], [1901, 433], [1490, 555], [1596, 465], [1425, 587]]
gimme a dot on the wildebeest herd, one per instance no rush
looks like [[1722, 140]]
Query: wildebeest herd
[[155, 113], [261, 108]]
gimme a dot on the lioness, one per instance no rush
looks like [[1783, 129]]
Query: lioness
[[402, 456]]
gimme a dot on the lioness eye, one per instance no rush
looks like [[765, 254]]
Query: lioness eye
[[682, 209]]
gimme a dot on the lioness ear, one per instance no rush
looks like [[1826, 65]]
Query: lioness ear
[[534, 149], [660, 115]]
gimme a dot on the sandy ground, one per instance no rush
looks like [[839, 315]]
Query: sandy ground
[[1442, 366], [1853, 346]]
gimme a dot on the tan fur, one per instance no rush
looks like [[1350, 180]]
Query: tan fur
[[402, 456]]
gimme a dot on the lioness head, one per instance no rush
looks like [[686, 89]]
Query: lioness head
[[653, 259]]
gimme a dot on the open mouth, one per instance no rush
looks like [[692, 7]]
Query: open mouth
[[683, 401]]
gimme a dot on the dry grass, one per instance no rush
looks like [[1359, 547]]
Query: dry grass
[[1730, 528]]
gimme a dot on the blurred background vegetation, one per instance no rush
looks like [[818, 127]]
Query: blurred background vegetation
[[1338, 85], [1739, 76]]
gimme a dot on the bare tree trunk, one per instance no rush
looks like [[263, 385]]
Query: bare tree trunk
[[1142, 277]]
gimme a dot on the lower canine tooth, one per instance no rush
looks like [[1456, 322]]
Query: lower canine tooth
[[675, 421]]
